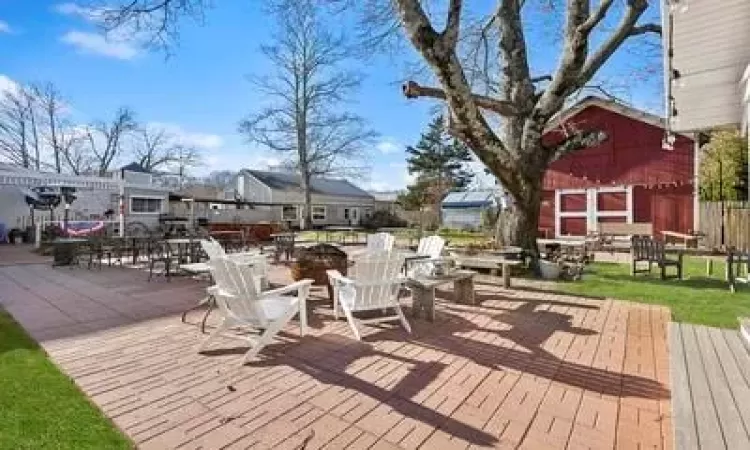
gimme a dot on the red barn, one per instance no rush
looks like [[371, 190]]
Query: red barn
[[628, 178]]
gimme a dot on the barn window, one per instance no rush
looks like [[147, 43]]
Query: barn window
[[289, 212], [145, 205], [319, 213]]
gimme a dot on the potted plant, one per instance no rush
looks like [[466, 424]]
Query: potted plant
[[549, 270]]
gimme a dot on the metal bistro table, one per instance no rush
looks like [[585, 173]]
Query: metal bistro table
[[423, 291]]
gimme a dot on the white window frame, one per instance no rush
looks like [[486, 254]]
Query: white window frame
[[296, 212], [146, 197], [319, 207], [592, 213]]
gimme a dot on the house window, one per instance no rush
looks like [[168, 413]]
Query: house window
[[319, 213], [289, 212], [145, 205]]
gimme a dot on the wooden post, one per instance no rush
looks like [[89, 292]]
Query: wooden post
[[709, 266]]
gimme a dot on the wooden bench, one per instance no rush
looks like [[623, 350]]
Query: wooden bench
[[493, 263], [651, 251]]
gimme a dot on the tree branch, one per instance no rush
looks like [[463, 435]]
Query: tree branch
[[575, 141], [452, 24], [623, 31], [595, 18], [646, 28], [412, 89]]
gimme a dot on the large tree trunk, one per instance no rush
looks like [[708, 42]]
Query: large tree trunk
[[519, 227]]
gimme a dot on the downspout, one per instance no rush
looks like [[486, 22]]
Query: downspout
[[745, 90]]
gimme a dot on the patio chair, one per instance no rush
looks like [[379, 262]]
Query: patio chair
[[373, 284], [380, 242], [429, 251], [213, 249], [160, 252], [243, 304]]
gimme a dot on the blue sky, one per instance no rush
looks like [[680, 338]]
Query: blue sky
[[201, 91]]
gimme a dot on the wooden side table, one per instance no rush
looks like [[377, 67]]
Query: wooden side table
[[423, 291]]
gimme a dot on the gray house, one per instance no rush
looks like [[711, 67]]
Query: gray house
[[279, 194], [465, 210]]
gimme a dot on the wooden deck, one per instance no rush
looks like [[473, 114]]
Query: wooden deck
[[523, 370], [711, 387]]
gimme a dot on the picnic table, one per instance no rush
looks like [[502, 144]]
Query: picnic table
[[423, 291], [345, 231], [688, 240]]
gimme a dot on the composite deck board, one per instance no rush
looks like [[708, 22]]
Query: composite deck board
[[683, 414], [711, 388], [520, 370]]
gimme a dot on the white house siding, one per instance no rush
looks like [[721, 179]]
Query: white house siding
[[711, 51], [467, 218]]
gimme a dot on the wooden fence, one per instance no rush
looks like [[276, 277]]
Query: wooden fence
[[736, 224]]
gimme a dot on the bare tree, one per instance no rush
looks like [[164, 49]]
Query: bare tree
[[14, 128], [221, 179], [154, 148], [50, 101], [105, 139], [307, 89], [30, 101]]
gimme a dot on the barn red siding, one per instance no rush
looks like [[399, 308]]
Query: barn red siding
[[632, 155]]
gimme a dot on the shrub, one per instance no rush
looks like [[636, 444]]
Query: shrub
[[383, 219]]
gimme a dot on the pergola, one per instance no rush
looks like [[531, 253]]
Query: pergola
[[27, 178]]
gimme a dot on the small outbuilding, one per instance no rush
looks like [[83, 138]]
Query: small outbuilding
[[631, 177], [467, 209]]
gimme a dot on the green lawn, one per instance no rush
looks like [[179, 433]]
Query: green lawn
[[40, 408], [696, 299]]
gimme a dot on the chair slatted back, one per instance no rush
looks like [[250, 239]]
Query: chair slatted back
[[377, 279], [379, 242], [241, 283], [431, 246], [644, 248]]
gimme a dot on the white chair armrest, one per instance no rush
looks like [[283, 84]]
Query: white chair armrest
[[334, 276], [301, 284]]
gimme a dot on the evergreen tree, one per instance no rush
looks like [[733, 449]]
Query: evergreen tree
[[440, 159]]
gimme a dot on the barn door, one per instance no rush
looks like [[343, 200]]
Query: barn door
[[579, 212]]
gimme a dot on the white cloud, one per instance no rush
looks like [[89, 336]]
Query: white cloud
[[94, 43], [4, 27], [73, 9], [205, 141], [7, 84], [387, 146]]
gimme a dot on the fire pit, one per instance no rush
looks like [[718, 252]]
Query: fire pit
[[313, 262]]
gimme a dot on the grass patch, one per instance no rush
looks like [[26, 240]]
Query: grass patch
[[40, 408], [698, 299]]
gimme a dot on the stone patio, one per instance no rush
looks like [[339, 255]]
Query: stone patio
[[523, 370]]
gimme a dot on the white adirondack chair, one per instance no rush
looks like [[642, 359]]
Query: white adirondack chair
[[380, 242], [243, 305], [214, 249], [431, 248], [373, 283]]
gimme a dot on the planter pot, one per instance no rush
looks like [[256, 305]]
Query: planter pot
[[549, 270]]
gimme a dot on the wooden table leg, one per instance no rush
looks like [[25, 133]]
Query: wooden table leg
[[423, 299], [464, 290], [506, 275]]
